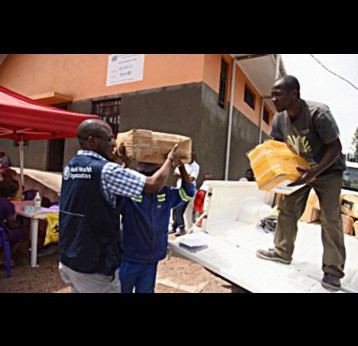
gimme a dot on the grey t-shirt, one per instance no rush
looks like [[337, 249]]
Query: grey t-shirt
[[307, 135]]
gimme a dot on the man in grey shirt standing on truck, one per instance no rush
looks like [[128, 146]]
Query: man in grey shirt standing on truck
[[310, 129]]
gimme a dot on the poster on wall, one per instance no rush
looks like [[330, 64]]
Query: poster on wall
[[125, 68]]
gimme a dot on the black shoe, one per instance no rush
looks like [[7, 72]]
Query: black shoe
[[172, 230], [271, 256], [331, 281], [181, 232]]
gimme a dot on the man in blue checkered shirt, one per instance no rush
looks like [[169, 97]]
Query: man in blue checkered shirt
[[92, 186]]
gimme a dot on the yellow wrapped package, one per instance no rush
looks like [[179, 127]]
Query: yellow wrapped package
[[275, 166], [52, 235]]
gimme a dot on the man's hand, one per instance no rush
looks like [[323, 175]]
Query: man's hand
[[120, 157], [180, 162], [306, 177], [174, 155], [184, 173]]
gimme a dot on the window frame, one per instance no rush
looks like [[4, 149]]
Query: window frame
[[248, 92]]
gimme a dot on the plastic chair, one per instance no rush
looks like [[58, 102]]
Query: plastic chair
[[6, 245]]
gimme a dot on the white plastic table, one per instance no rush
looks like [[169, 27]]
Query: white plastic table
[[34, 225]]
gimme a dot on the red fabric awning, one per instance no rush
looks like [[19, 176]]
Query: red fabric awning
[[26, 119]]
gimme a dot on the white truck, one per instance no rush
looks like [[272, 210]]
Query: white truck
[[227, 241]]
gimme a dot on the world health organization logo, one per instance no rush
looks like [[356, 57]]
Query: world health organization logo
[[66, 173]]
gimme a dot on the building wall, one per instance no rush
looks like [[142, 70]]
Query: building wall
[[212, 66], [83, 76], [244, 136], [246, 121], [212, 135], [190, 110], [211, 77], [34, 153], [179, 94]]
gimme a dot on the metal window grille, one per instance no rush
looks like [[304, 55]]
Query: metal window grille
[[110, 112], [223, 83]]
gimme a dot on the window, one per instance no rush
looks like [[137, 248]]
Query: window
[[249, 97], [223, 84], [266, 116], [109, 111]]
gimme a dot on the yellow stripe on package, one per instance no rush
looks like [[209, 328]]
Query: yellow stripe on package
[[275, 166]]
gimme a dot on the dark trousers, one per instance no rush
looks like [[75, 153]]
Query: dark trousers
[[139, 277], [178, 216], [291, 208]]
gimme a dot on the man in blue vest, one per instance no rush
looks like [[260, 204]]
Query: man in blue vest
[[145, 222], [89, 246]]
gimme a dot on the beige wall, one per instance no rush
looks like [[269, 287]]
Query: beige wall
[[181, 90], [212, 68], [84, 76]]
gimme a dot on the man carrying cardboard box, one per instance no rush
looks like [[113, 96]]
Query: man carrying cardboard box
[[310, 129], [92, 186]]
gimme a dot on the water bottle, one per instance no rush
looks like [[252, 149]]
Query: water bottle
[[37, 202]]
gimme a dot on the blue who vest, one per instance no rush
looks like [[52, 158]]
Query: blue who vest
[[89, 226]]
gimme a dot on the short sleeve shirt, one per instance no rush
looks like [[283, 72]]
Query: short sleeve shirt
[[192, 170], [308, 134], [117, 180]]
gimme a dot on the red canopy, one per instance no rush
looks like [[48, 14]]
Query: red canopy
[[22, 118]]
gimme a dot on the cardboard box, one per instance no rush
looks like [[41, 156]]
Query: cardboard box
[[350, 205], [275, 166], [313, 200], [276, 199], [347, 222], [153, 147], [310, 214], [355, 228]]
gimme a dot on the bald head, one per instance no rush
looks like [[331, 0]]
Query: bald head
[[96, 135], [91, 127]]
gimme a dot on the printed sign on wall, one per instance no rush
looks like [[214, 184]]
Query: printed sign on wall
[[125, 68]]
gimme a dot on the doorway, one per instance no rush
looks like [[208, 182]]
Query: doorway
[[56, 150]]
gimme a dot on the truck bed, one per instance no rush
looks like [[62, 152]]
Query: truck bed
[[231, 253]]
